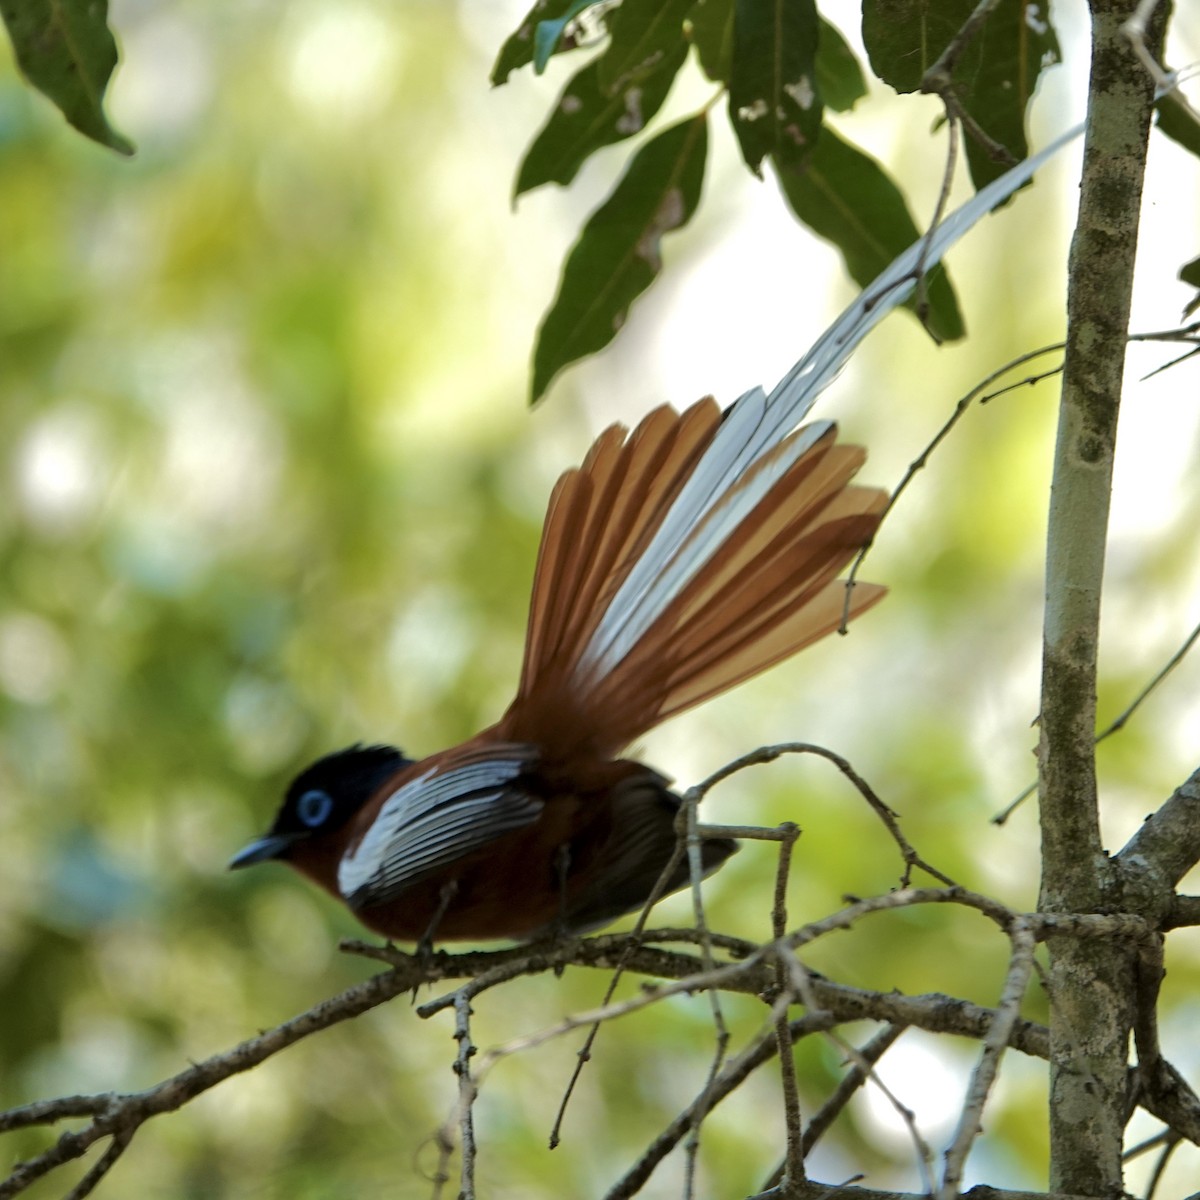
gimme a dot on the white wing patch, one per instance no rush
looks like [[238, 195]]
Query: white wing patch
[[434, 820]]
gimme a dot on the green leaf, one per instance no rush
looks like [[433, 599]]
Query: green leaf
[[618, 253], [1178, 124], [995, 78], [712, 35], [65, 49], [587, 116], [1190, 273], [839, 78], [846, 197], [644, 33], [528, 40], [773, 101], [840, 81]]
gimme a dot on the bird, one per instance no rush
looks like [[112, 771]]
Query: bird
[[678, 560], [674, 563]]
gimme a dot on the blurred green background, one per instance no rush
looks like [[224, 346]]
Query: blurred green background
[[270, 486]]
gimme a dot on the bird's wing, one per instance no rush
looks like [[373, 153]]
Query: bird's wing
[[453, 807]]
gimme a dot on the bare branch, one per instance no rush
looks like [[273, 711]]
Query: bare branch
[[1185, 911], [1120, 722], [754, 970], [984, 1076], [768, 754], [735, 1073], [119, 1116], [1167, 843], [783, 1032]]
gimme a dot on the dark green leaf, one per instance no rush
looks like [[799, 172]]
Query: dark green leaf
[[773, 101], [712, 35], [839, 78], [840, 82], [523, 43], [618, 253], [644, 33], [845, 196], [1177, 123], [1190, 273], [995, 78], [66, 51], [586, 117]]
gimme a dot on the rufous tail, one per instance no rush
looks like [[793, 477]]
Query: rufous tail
[[681, 560]]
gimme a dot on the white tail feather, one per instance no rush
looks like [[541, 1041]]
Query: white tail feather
[[710, 506]]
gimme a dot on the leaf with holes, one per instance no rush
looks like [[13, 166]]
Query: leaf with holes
[[590, 115], [839, 78], [618, 254], [846, 197], [995, 77], [65, 49], [773, 101]]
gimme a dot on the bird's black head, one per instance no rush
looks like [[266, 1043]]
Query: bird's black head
[[322, 798]]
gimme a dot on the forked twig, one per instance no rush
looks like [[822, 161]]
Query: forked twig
[[978, 392], [768, 754], [1118, 723]]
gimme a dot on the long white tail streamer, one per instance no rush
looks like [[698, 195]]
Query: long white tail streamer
[[710, 506]]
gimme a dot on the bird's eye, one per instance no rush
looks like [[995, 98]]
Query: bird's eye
[[313, 808]]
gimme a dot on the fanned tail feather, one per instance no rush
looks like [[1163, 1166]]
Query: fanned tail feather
[[638, 615], [598, 521]]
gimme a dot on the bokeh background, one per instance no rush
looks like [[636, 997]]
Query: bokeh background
[[270, 485]]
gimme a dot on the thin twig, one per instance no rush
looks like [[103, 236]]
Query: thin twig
[[768, 754], [848, 1086], [467, 1093], [939, 211], [983, 1077], [688, 811], [1119, 723], [584, 1054], [1169, 1147], [939, 76], [862, 1064], [1166, 83], [696, 868], [783, 1033], [980, 392], [102, 1166], [907, 1117], [120, 1114], [736, 1071]]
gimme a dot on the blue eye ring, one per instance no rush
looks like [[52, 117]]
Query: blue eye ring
[[314, 807]]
